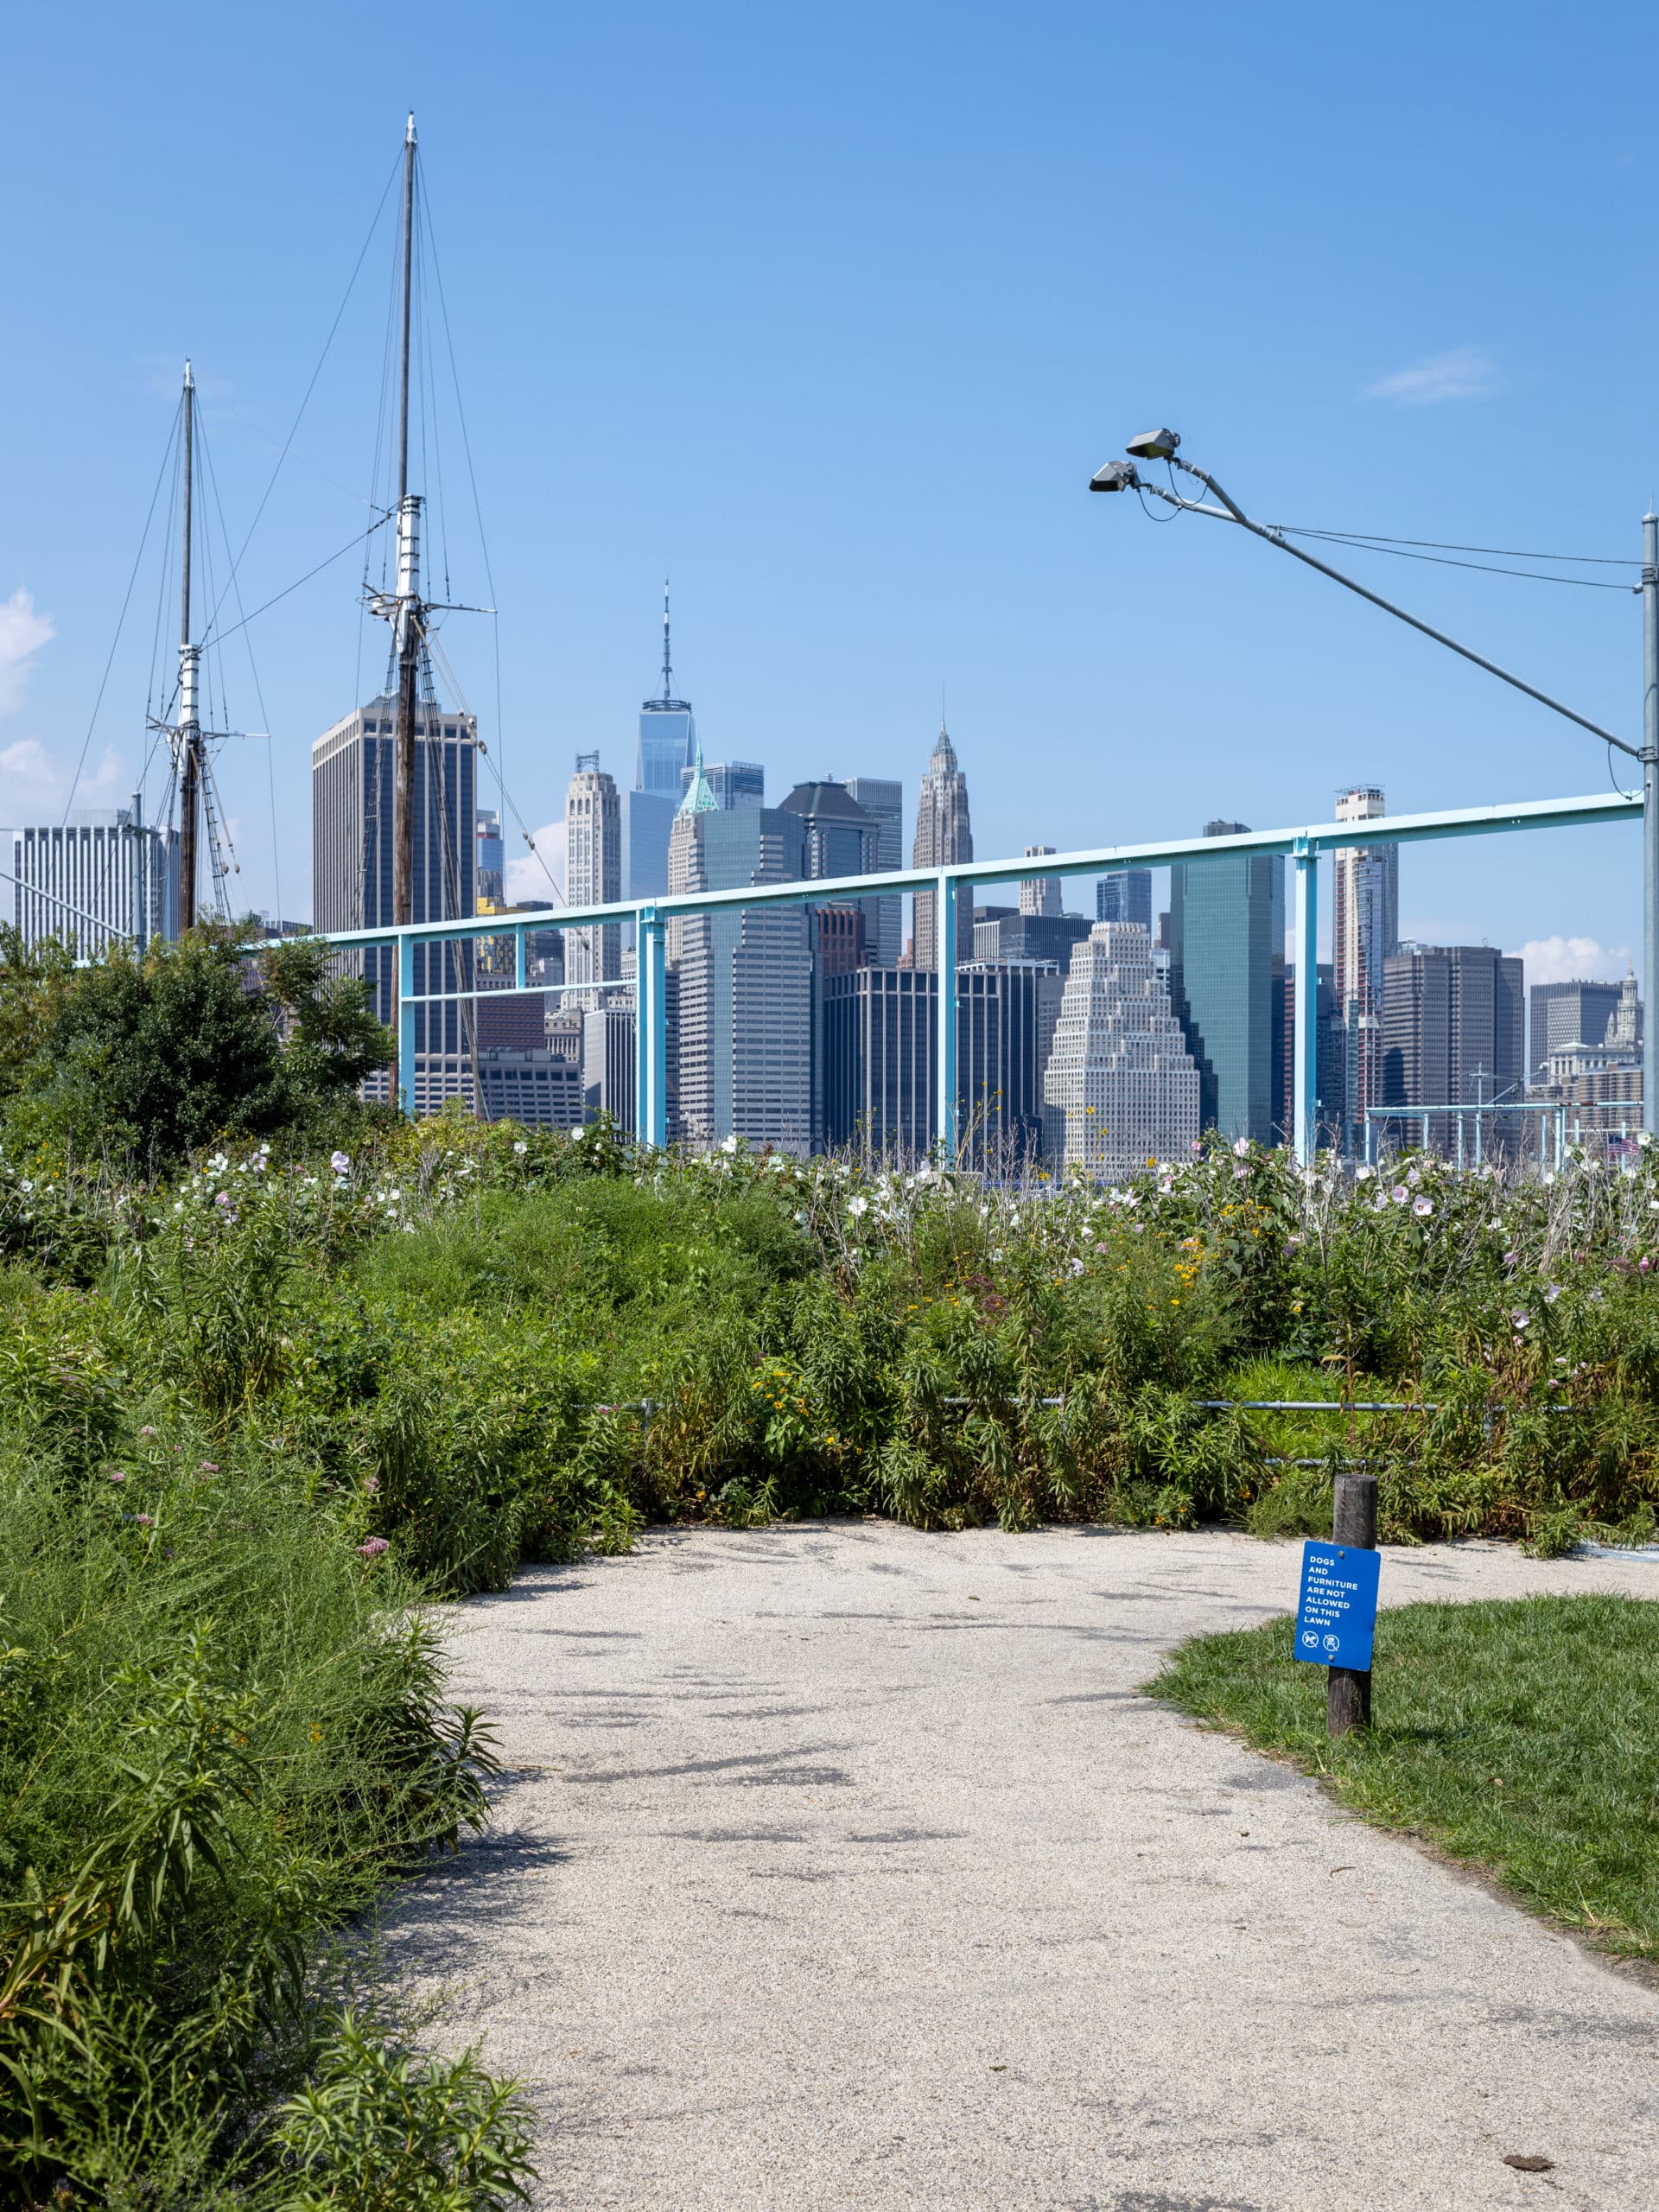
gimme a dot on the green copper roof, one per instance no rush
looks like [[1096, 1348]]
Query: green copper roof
[[699, 797]]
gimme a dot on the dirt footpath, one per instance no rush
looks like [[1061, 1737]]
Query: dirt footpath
[[839, 1866]]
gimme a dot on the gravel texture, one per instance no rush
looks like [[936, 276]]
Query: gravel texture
[[841, 1866]]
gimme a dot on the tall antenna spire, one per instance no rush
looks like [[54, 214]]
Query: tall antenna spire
[[668, 669], [189, 718]]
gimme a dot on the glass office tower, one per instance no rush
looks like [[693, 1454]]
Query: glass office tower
[[1221, 918]]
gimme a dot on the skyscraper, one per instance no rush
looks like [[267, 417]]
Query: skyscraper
[[98, 877], [1125, 896], [1569, 1014], [1041, 894], [491, 874], [881, 1073], [1452, 1017], [593, 871], [1119, 1075], [1026, 936], [646, 821], [880, 1067], [351, 778], [840, 839], [734, 783], [884, 802], [1365, 933], [943, 836], [1328, 1088], [667, 733], [1006, 1012], [743, 976], [1221, 923]]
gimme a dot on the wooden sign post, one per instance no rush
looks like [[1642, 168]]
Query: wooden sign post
[[1348, 1689]]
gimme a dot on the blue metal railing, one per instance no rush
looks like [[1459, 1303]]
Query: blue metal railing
[[1302, 847]]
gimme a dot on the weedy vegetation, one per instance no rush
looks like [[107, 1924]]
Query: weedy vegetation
[[278, 1371]]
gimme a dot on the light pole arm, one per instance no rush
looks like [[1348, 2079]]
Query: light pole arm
[[1230, 512]]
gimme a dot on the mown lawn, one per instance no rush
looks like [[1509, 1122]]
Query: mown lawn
[[1522, 1737]]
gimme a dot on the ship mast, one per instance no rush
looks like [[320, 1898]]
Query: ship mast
[[189, 715], [410, 613]]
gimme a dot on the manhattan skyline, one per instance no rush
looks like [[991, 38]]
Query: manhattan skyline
[[860, 477]]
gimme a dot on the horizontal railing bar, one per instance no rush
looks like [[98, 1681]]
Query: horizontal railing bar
[[1317, 1406], [1318, 838], [1468, 1106]]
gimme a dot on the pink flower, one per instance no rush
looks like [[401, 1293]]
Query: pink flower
[[146, 1430], [373, 1548], [1422, 1208], [116, 1475], [209, 1466], [371, 1482], [145, 1519]]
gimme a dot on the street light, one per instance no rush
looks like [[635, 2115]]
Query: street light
[[1153, 445], [1162, 445]]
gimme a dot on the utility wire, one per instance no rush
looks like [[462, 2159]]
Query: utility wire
[[1441, 560], [310, 388], [430, 237], [380, 523], [1443, 545], [86, 742], [258, 693]]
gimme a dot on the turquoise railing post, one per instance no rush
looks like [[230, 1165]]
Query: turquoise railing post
[[1305, 1075], [651, 1030], [944, 939], [520, 960], [406, 1024]]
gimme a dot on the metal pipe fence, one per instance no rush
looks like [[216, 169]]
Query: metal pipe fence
[[651, 916]]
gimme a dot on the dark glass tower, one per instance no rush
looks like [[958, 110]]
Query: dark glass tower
[[1221, 923]]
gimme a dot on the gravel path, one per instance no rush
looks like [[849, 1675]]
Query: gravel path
[[842, 1867]]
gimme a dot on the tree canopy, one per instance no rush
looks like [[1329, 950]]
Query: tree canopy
[[149, 1055]]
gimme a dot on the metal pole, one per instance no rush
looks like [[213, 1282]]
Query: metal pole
[[1276, 536], [189, 709], [1353, 1524], [1650, 816], [407, 617], [944, 939], [651, 1032], [1305, 1112], [406, 1025]]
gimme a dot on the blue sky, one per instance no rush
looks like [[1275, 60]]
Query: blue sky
[[830, 314]]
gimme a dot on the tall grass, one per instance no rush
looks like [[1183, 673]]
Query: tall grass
[[253, 1418]]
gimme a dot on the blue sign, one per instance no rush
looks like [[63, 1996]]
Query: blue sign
[[1336, 1614]]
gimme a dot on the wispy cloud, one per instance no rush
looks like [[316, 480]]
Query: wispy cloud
[[1572, 959], [527, 875], [27, 761], [1464, 373], [22, 633]]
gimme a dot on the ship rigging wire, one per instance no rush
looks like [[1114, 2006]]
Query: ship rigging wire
[[137, 558]]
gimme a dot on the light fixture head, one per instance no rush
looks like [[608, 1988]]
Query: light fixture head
[[1153, 445], [1115, 476]]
